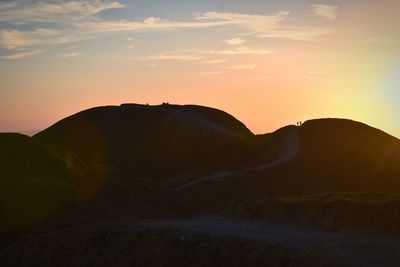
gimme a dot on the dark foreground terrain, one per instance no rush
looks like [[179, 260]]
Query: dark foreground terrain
[[169, 185]]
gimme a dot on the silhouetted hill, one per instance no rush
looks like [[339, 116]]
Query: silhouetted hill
[[152, 141], [327, 155], [352, 149], [22, 155], [34, 182], [337, 155], [43, 188], [133, 181]]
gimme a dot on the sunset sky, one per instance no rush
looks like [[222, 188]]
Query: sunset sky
[[268, 63]]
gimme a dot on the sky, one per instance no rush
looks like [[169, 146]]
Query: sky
[[268, 63]]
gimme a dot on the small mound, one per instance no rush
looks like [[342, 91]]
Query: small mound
[[151, 141], [22, 155], [334, 155], [350, 156]]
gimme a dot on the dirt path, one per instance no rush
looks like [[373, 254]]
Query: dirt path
[[289, 151]]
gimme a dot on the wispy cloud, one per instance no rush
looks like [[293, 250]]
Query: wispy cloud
[[304, 33], [59, 12], [256, 23], [69, 55], [271, 26], [325, 11], [148, 24], [180, 57], [7, 5], [151, 65], [235, 41], [23, 54], [268, 26], [71, 21], [242, 50], [65, 21], [204, 55], [14, 39]]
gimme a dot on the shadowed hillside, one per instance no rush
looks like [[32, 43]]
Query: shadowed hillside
[[43, 189], [152, 141], [333, 155], [336, 155], [194, 186], [350, 156], [204, 152]]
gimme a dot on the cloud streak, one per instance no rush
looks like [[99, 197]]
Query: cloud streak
[[70, 21], [58, 12], [325, 11], [15, 39], [178, 57], [69, 55], [241, 50], [204, 55], [148, 24], [267, 26], [23, 54], [235, 41], [213, 61]]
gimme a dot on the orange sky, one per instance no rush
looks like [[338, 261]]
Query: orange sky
[[268, 64]]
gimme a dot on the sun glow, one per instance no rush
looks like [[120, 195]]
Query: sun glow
[[268, 65]]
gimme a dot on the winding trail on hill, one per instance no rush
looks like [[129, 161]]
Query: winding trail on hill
[[341, 248], [289, 151]]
